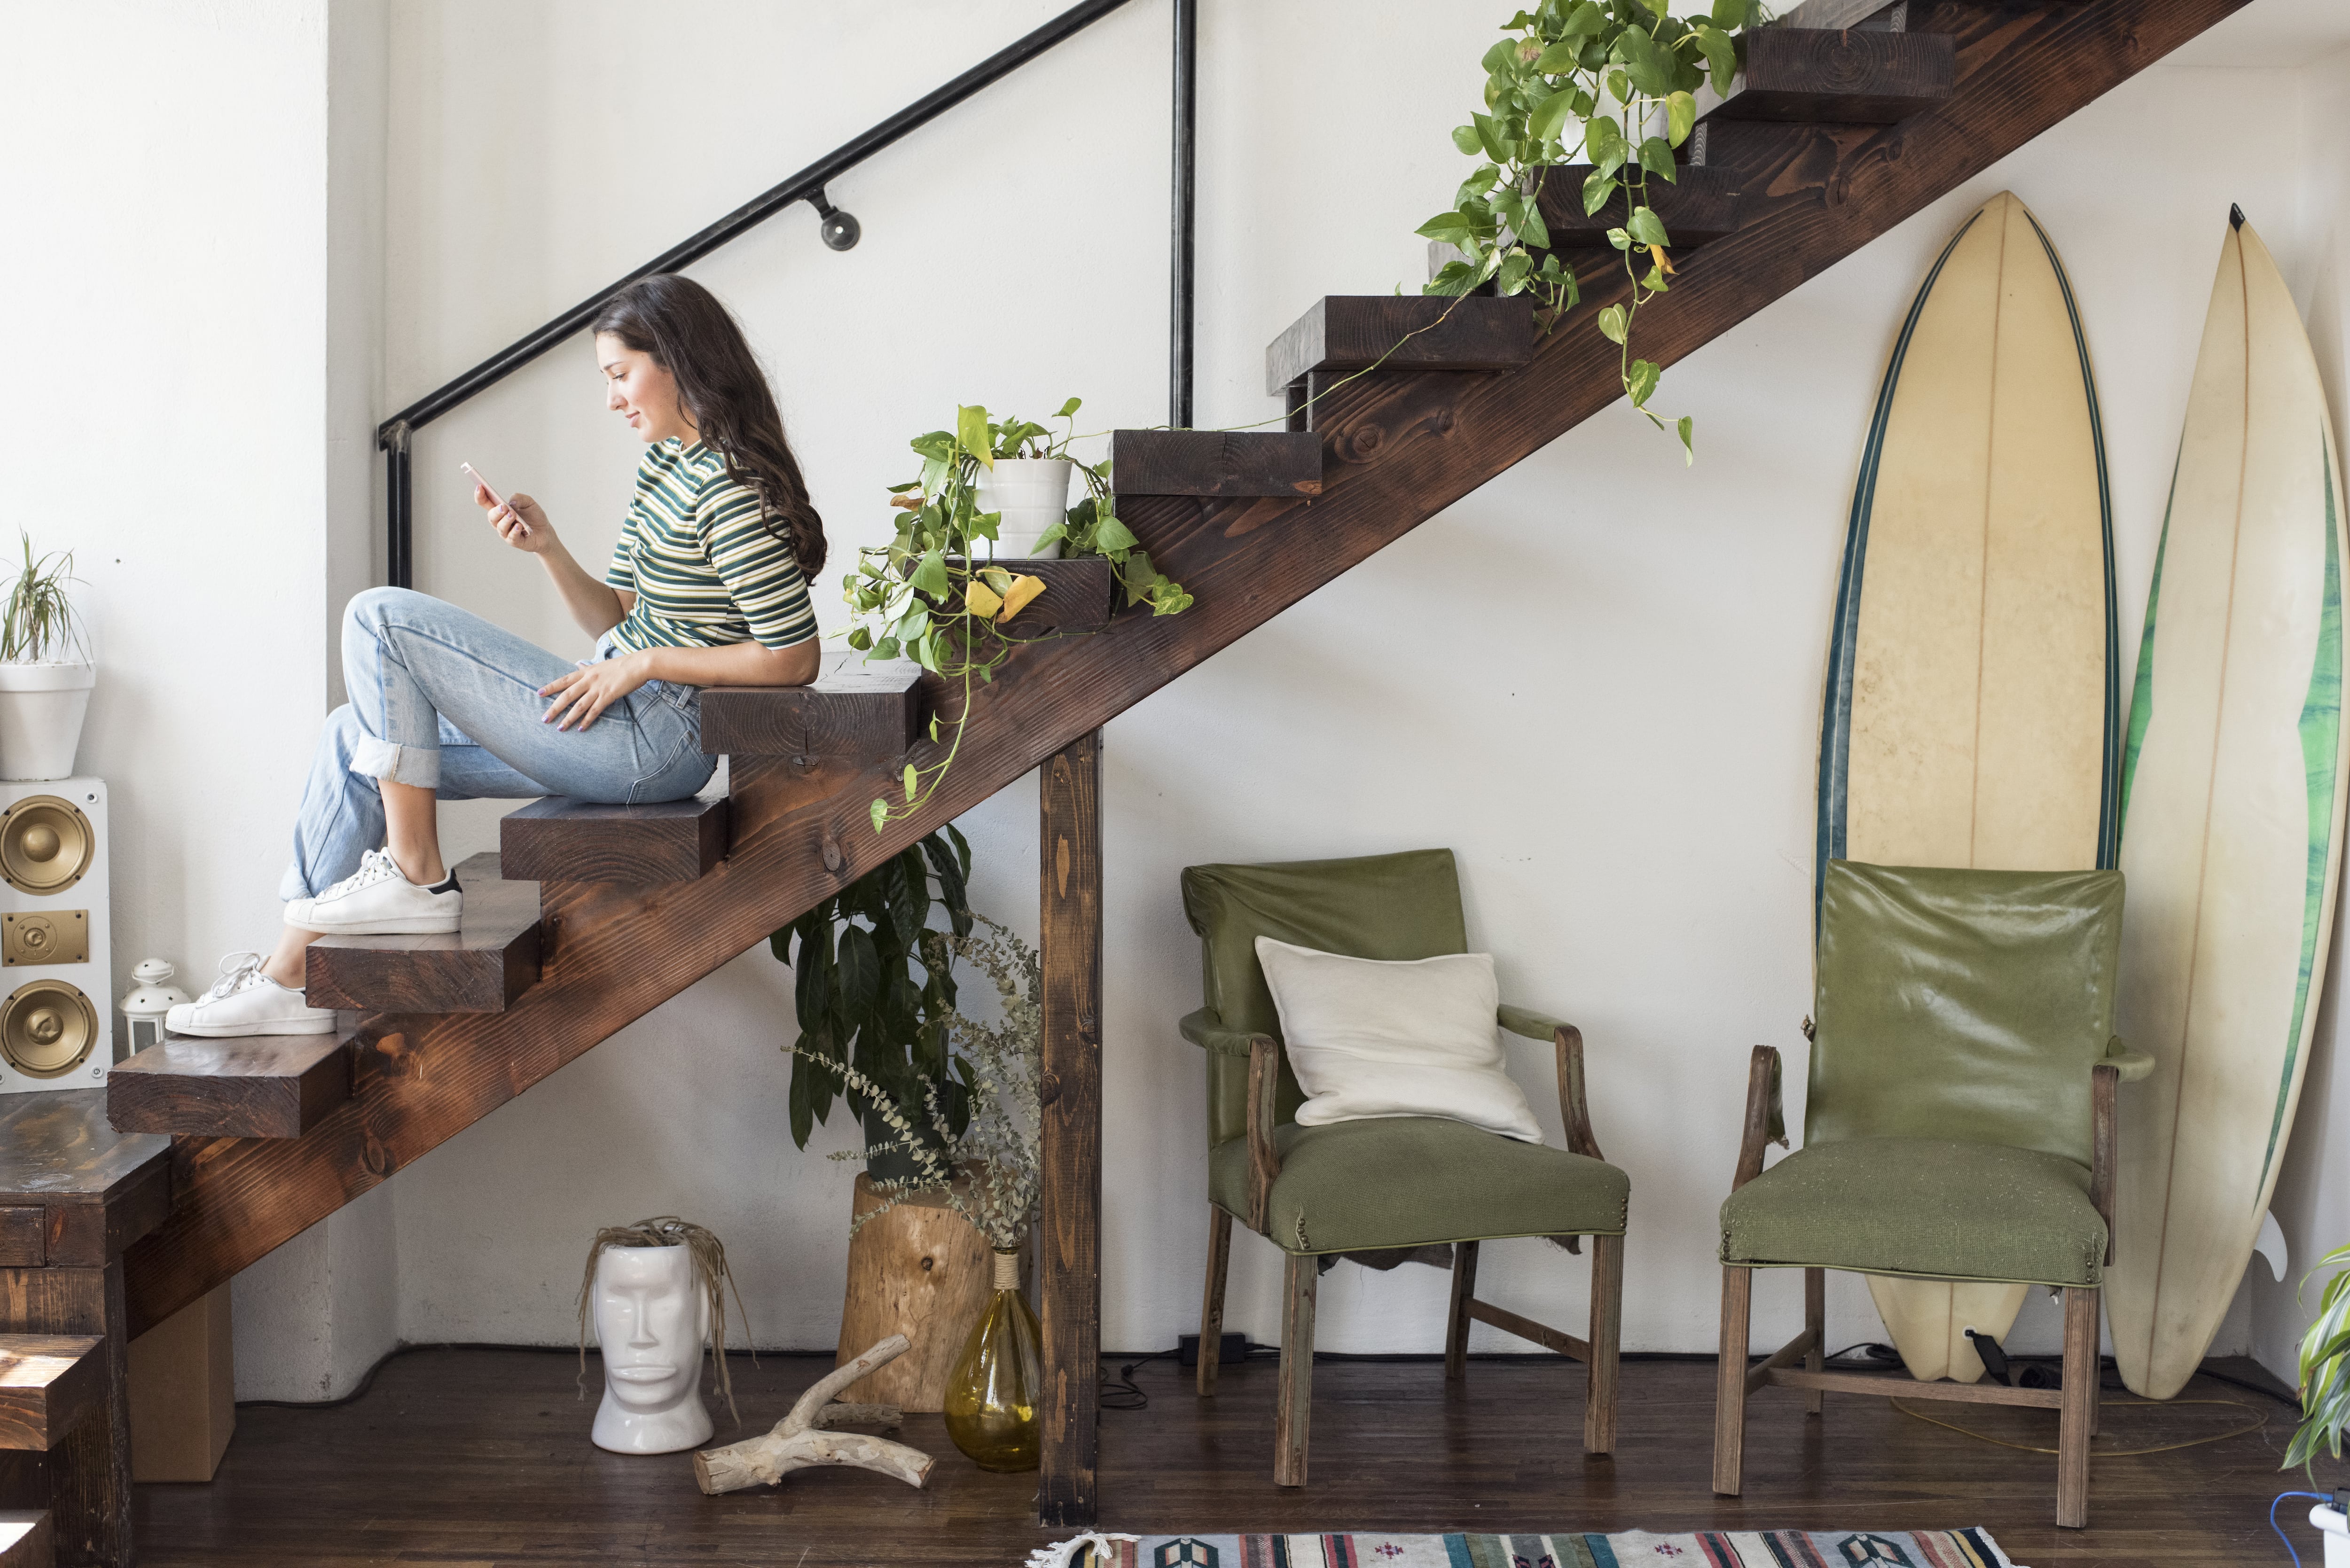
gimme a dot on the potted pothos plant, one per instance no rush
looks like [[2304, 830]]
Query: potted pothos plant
[[866, 1018], [46, 669], [1618, 80], [946, 592], [2326, 1395]]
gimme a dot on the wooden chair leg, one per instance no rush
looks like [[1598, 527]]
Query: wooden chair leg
[[1295, 1402], [1729, 1385], [1456, 1331], [2077, 1415], [1212, 1300], [1607, 1334], [1815, 1321]]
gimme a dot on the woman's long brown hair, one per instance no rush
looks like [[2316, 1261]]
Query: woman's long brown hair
[[690, 335]]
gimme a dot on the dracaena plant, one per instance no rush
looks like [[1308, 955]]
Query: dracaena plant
[[38, 622], [935, 595], [2324, 1367], [1618, 80]]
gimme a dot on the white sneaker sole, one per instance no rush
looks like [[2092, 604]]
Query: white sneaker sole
[[393, 926], [325, 1025]]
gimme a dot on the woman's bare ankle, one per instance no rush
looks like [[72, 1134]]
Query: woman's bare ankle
[[287, 965]]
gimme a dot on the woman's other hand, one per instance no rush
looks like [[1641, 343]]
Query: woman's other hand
[[582, 696], [520, 522]]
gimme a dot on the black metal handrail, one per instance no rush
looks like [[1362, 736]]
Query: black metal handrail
[[840, 232]]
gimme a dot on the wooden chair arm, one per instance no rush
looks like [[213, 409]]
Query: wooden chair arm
[[1765, 1121], [2104, 1088], [1574, 1104], [1264, 1160]]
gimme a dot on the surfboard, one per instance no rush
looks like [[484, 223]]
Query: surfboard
[[1972, 708], [2232, 824]]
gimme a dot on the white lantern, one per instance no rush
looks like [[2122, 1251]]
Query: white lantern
[[145, 1008]]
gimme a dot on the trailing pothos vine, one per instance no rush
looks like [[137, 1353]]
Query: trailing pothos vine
[[933, 595], [1618, 79]]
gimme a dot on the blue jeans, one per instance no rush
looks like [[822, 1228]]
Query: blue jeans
[[445, 701]]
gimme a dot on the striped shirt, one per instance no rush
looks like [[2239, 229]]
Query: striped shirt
[[705, 568]]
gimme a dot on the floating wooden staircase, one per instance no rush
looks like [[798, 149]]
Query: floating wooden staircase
[[1829, 140]]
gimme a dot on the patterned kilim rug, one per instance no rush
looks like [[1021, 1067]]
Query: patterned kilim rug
[[1708, 1549]]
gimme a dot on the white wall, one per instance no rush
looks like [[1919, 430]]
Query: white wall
[[1597, 679]]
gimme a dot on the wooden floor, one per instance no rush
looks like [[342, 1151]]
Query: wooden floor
[[458, 1457]]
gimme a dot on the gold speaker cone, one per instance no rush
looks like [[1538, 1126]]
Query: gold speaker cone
[[46, 1028], [45, 844]]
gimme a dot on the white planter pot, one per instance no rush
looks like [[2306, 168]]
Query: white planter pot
[[1032, 494], [2337, 1525], [41, 710]]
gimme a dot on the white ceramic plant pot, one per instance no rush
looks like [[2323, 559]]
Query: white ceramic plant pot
[[41, 710], [2337, 1525], [1032, 494]]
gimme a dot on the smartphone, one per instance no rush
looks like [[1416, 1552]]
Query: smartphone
[[495, 499]]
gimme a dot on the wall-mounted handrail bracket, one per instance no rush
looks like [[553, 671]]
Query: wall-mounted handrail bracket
[[840, 230]]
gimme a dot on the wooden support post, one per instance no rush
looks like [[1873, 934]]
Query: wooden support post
[[1729, 1382], [1069, 1276], [2077, 1415], [1464, 1291], [1606, 1332], [1815, 1324], [1212, 1300]]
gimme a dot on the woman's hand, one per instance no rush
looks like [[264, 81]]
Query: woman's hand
[[520, 522], [582, 696]]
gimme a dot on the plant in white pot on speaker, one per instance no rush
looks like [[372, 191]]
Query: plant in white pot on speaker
[[2326, 1395], [46, 670]]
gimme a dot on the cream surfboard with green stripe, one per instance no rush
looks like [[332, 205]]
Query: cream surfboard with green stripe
[[1972, 708], [2231, 820]]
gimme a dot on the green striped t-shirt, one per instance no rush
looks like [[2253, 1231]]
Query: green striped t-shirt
[[706, 570]]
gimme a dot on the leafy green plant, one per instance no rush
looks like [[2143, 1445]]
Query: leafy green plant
[[1617, 78], [39, 624], [2324, 1365], [854, 958], [996, 1141], [932, 595]]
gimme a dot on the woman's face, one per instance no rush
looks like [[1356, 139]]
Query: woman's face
[[641, 393]]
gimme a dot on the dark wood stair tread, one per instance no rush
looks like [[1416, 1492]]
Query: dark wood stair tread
[[1214, 462], [48, 1382], [27, 1540], [560, 839], [74, 1191], [480, 967], [856, 710], [260, 1086], [1826, 77], [1401, 332], [1698, 205]]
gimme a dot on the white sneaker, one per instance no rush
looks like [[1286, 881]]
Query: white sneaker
[[244, 1000], [376, 901]]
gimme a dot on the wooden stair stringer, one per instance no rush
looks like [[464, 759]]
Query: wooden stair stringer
[[1398, 447]]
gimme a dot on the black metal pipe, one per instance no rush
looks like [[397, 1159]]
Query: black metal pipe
[[1180, 226], [800, 186], [400, 542]]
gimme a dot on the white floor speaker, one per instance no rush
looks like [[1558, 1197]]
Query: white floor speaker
[[57, 990]]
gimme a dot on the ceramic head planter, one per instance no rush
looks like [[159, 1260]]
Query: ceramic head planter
[[654, 1290]]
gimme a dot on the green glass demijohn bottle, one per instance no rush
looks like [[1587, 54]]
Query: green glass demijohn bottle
[[997, 1384]]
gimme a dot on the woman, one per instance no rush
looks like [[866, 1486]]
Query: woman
[[708, 588]]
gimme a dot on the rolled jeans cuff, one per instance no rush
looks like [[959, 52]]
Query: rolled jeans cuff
[[388, 763]]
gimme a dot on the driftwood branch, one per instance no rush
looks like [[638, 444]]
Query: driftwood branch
[[800, 1439]]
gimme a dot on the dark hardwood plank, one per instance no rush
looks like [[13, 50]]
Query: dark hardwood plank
[[1080, 595], [1401, 332], [490, 960], [24, 1237], [1069, 1226], [1700, 205], [268, 1085], [462, 1457], [26, 1541], [97, 1190], [1214, 462], [86, 1475], [1817, 76], [857, 710], [560, 839], [48, 1382], [1400, 447]]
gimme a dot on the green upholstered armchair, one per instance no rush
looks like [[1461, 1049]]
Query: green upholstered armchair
[[1392, 1189], [1959, 1125]]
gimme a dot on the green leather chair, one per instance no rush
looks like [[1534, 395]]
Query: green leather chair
[[1385, 1191], [1959, 1125]]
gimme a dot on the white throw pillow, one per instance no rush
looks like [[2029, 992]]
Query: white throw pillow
[[1371, 1038]]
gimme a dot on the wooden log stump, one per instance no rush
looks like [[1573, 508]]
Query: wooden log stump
[[920, 1271]]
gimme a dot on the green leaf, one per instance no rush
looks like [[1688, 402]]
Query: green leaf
[[1597, 189], [1619, 239], [1600, 135], [912, 780], [1489, 136], [886, 648], [1465, 138], [1687, 428], [1531, 230], [971, 434], [1721, 56], [1657, 157], [1559, 58], [1452, 228], [1550, 119], [1587, 19], [1110, 535], [931, 576], [1641, 382], [1512, 275], [1069, 408], [1619, 86], [1731, 14], [1680, 117], [1611, 324], [860, 639], [881, 814], [1659, 7], [1646, 228]]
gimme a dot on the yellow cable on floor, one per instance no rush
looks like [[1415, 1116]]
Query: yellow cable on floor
[[2261, 1421]]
